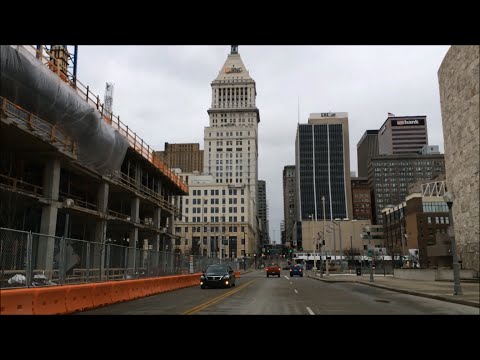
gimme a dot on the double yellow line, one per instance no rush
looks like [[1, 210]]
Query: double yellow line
[[217, 299]]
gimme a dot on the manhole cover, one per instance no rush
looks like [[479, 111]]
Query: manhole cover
[[382, 301]]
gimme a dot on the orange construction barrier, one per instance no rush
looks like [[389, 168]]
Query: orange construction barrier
[[16, 302], [102, 293], [120, 291], [78, 297], [136, 289], [49, 300], [237, 274]]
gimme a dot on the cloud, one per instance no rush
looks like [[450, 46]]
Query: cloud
[[163, 93]]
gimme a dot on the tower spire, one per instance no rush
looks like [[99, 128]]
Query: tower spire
[[234, 49]]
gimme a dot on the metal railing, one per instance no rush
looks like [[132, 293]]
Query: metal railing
[[29, 259], [42, 128], [136, 143]]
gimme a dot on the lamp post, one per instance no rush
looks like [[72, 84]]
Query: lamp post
[[244, 253], [324, 218], [354, 221], [340, 236], [457, 290]]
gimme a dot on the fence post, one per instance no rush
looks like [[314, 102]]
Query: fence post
[[126, 263], [108, 261], [29, 264], [149, 257], [87, 262], [62, 261]]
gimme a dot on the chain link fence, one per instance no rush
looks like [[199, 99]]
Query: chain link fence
[[30, 259]]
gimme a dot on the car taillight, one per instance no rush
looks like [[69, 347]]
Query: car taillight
[[300, 269], [267, 269]]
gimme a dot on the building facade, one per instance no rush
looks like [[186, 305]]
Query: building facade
[[289, 212], [262, 211], [416, 227], [366, 148], [402, 135], [322, 163], [389, 177], [228, 183], [214, 220], [187, 157], [459, 97], [361, 199]]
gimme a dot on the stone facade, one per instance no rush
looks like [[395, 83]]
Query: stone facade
[[458, 78]]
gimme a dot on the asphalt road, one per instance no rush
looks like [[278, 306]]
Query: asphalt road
[[255, 294]]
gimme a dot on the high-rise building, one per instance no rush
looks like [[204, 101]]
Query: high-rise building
[[366, 148], [230, 162], [322, 163], [389, 177], [361, 199], [402, 135], [187, 157], [262, 211], [289, 211]]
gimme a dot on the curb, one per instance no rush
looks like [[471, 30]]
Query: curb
[[409, 292]]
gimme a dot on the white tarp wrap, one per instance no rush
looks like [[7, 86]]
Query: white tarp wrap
[[31, 85]]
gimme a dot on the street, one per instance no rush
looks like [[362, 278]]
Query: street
[[255, 294]]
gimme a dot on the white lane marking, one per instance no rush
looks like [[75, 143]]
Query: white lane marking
[[296, 292], [286, 277], [310, 311]]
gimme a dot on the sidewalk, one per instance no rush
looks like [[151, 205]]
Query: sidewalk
[[439, 290]]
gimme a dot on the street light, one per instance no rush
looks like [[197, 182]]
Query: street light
[[457, 290], [324, 218], [354, 221], [340, 235]]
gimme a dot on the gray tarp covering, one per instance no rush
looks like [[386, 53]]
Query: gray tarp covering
[[31, 85]]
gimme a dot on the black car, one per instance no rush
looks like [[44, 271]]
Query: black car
[[218, 275]]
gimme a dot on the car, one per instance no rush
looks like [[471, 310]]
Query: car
[[218, 275], [272, 269], [296, 270]]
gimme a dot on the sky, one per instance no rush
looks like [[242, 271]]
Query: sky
[[163, 93]]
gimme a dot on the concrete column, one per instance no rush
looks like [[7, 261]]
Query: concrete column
[[134, 216], [48, 224], [156, 238], [98, 261], [138, 175]]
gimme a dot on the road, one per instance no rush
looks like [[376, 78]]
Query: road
[[255, 294]]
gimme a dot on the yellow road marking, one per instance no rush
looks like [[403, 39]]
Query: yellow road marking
[[217, 299]]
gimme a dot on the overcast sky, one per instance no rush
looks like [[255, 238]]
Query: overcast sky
[[163, 93]]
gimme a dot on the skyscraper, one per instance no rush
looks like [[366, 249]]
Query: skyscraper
[[402, 134], [289, 211], [221, 211], [322, 163], [262, 211], [366, 148]]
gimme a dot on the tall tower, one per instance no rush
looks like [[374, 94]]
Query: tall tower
[[323, 167], [231, 139]]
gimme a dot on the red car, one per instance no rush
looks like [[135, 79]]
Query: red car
[[272, 269]]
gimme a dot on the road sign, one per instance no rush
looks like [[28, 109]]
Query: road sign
[[369, 252]]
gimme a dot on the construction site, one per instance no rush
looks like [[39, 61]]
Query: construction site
[[82, 196]]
